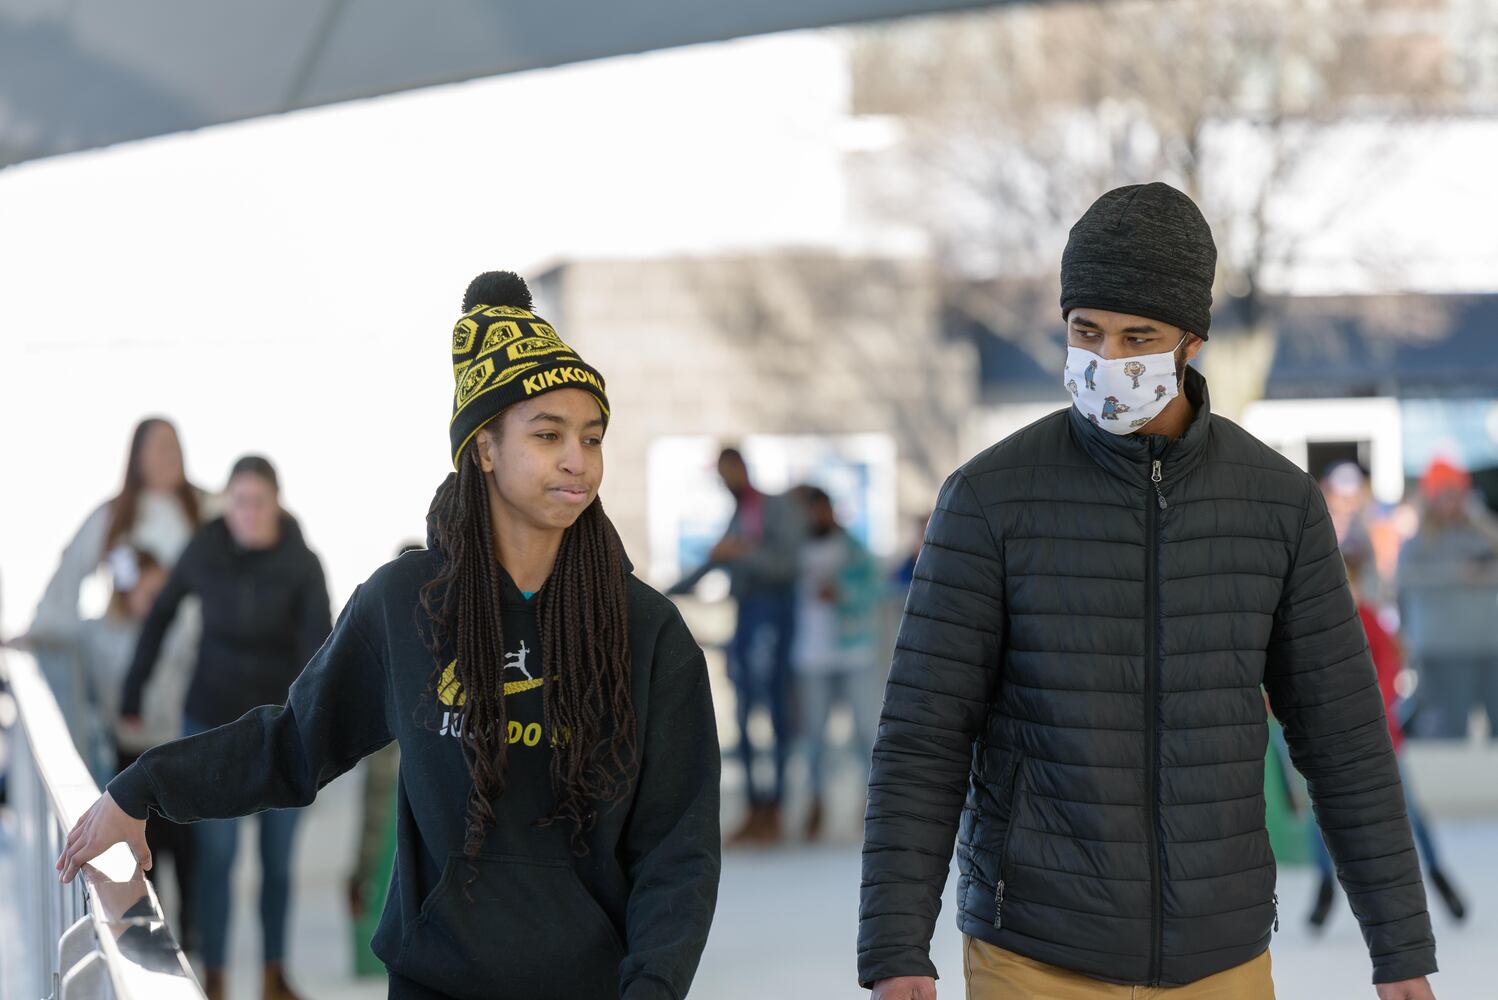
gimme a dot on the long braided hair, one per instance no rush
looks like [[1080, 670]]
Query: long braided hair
[[589, 712]]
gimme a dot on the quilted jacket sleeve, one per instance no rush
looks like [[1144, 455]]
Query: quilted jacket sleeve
[[942, 679], [1323, 688]]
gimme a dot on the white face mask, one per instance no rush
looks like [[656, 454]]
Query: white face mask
[[1123, 394]]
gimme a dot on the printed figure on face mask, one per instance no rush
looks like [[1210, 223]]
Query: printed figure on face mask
[[1088, 375], [1112, 408]]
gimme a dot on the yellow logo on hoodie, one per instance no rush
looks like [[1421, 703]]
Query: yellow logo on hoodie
[[450, 692]]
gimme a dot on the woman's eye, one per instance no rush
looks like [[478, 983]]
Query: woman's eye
[[593, 441], [547, 436]]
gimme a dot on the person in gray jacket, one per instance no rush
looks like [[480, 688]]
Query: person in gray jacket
[[1076, 690], [1448, 596]]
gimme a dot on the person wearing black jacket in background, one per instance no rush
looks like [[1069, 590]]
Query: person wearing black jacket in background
[[265, 612], [557, 807], [1076, 691]]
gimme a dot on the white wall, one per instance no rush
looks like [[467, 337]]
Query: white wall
[[1290, 425]]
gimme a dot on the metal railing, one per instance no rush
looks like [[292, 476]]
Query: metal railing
[[104, 936]]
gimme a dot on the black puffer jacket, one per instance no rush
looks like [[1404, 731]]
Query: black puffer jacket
[[1076, 695], [265, 612]]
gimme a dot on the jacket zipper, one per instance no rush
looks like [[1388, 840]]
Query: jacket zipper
[[998, 892], [1151, 697]]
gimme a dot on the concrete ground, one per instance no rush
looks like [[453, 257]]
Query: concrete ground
[[787, 920]]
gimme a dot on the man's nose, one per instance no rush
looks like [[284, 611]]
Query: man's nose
[[1112, 348]]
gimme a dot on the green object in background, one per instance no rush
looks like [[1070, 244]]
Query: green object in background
[[376, 886], [1284, 789]]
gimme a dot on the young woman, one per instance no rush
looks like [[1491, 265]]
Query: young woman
[[265, 612], [156, 510], [558, 797]]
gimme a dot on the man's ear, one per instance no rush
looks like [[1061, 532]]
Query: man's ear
[[1194, 344]]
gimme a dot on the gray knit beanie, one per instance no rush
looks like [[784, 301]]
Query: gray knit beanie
[[1145, 250]]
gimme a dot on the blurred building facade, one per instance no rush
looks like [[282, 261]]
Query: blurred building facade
[[792, 343]]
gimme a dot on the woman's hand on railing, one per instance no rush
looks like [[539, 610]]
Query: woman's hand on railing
[[104, 825]]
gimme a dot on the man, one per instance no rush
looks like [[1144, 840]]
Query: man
[[1094, 611], [761, 552]]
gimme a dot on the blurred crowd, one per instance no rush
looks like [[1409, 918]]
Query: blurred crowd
[[811, 614], [216, 602], [1424, 574], [1427, 569]]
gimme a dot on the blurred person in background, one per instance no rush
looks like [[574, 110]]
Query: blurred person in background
[[1388, 662], [557, 816], [156, 511], [837, 638], [106, 647], [1365, 529], [1448, 598], [265, 612], [761, 552], [1076, 687]]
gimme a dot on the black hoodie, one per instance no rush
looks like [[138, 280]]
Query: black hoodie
[[530, 918], [265, 612]]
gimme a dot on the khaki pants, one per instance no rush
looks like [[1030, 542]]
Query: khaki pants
[[995, 974]]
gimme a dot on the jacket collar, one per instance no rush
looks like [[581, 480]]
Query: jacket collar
[[1128, 456]]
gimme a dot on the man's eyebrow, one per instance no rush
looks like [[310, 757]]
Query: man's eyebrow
[[1140, 329], [1079, 321]]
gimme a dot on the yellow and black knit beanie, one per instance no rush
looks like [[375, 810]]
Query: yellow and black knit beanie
[[503, 354]]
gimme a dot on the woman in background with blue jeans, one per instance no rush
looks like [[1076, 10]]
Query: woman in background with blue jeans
[[265, 612], [836, 640]]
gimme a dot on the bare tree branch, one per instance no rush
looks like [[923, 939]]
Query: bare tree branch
[[1015, 119]]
